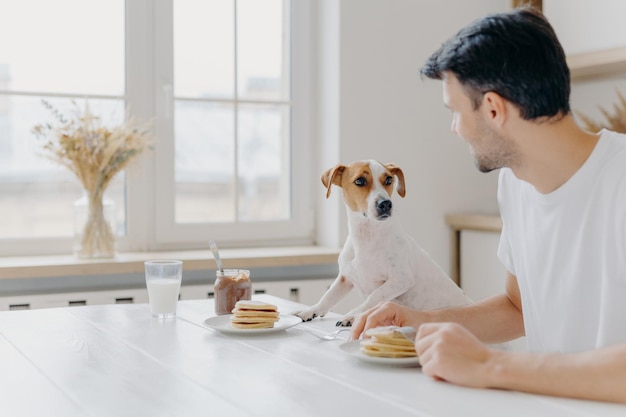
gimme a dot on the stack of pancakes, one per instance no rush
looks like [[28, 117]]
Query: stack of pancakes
[[387, 342], [253, 314]]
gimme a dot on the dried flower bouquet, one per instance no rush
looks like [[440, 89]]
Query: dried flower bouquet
[[95, 154], [615, 121]]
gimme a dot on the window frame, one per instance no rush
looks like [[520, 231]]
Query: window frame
[[298, 229]]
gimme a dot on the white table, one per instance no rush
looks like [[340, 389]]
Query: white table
[[117, 360]]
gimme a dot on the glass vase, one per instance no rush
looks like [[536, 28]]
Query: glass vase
[[94, 227]]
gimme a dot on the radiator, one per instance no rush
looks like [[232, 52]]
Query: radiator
[[302, 291]]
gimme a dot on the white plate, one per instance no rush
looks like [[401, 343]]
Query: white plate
[[222, 324], [353, 348]]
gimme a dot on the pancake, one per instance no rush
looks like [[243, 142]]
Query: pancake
[[387, 342], [253, 314], [252, 325], [242, 320], [390, 335], [255, 305]]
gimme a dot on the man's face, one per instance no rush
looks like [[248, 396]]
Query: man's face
[[490, 150]]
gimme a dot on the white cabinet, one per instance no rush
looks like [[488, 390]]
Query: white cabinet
[[306, 291], [475, 262], [481, 273], [475, 265], [34, 301]]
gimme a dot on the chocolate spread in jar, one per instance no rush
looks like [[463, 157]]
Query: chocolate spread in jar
[[231, 286]]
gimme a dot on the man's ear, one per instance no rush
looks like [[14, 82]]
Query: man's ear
[[332, 176], [495, 108]]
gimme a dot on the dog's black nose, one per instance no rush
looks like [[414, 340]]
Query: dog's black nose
[[384, 206]]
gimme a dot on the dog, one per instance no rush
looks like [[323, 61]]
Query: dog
[[378, 257]]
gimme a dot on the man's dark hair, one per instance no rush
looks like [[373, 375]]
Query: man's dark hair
[[514, 54]]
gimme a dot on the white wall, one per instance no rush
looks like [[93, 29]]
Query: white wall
[[372, 51], [586, 26], [374, 105]]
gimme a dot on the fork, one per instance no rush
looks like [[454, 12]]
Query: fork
[[324, 336]]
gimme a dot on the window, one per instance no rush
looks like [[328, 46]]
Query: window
[[226, 82]]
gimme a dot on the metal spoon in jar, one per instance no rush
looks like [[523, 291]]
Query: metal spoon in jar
[[216, 255]]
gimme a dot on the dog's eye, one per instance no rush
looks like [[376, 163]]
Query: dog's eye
[[360, 182], [388, 180]]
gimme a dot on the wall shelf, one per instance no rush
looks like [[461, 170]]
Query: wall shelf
[[131, 263], [598, 64], [459, 222]]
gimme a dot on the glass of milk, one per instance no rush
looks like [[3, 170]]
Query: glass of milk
[[163, 278]]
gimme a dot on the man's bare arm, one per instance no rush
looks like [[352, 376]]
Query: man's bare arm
[[494, 320]]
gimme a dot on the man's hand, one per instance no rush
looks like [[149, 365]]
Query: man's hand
[[385, 314], [449, 352]]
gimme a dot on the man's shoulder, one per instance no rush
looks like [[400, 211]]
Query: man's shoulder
[[613, 148], [613, 137]]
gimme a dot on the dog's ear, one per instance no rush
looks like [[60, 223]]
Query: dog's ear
[[397, 171], [332, 176]]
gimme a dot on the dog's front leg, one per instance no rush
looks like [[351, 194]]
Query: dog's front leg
[[389, 290], [338, 290]]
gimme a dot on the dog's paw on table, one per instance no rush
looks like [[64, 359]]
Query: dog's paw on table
[[345, 321], [308, 315]]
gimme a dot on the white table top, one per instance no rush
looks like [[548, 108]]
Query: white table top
[[117, 360]]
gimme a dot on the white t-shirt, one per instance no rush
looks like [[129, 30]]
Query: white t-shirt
[[568, 251]]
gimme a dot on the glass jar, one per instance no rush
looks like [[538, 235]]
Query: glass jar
[[231, 285]]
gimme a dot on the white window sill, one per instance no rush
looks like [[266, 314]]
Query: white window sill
[[127, 263]]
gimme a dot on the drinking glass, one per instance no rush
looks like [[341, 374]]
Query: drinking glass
[[163, 279]]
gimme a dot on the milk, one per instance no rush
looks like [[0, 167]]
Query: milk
[[163, 295]]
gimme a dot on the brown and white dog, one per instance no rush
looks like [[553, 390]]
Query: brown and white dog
[[379, 258]]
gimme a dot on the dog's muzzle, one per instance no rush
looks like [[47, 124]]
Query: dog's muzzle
[[383, 208]]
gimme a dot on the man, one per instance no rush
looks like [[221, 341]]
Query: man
[[562, 198]]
